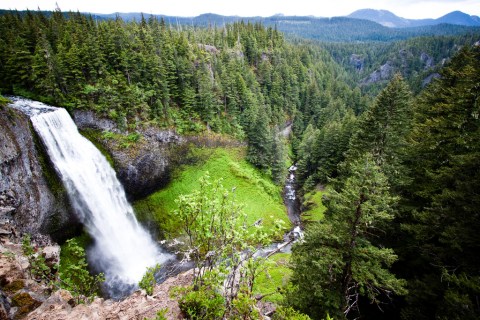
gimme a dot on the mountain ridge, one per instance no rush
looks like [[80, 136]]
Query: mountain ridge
[[389, 19]]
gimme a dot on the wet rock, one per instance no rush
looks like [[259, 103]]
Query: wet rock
[[26, 196]]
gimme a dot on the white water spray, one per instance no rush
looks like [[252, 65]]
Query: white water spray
[[123, 249]]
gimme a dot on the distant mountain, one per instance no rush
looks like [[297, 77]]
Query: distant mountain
[[389, 19], [383, 17], [337, 29], [460, 18]]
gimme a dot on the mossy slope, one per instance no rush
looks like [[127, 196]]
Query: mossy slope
[[259, 196]]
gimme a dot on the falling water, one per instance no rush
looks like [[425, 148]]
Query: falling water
[[122, 248]]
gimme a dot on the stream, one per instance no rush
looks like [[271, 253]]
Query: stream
[[292, 203]]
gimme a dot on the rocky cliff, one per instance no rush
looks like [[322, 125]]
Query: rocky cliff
[[142, 165], [32, 198]]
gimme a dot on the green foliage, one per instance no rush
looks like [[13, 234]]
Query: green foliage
[[38, 268], [288, 313], [3, 101], [272, 277], [161, 315], [341, 259], [383, 129], [313, 206], [148, 280], [203, 303], [221, 244], [443, 224], [74, 275], [260, 198]]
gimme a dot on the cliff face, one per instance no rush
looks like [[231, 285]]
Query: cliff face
[[32, 198], [142, 167]]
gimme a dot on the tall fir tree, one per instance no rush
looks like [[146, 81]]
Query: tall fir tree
[[442, 263], [337, 264]]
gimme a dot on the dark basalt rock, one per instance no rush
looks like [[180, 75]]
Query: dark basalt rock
[[31, 197]]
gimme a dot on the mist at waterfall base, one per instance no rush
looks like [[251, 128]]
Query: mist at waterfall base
[[122, 249]]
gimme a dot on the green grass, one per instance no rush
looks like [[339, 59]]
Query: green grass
[[315, 209], [261, 199], [275, 276]]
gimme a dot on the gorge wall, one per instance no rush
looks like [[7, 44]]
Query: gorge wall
[[32, 199]]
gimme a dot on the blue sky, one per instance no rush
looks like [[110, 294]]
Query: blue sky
[[412, 9]]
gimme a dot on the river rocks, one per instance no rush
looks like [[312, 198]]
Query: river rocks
[[27, 199]]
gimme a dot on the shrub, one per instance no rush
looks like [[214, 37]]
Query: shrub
[[148, 280]]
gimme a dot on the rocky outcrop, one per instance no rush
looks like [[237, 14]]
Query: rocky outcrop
[[430, 78], [385, 72], [357, 61], [145, 165], [427, 60], [19, 294], [142, 167], [32, 198], [137, 306]]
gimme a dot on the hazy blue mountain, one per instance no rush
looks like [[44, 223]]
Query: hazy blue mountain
[[389, 19], [383, 17], [460, 18], [337, 29]]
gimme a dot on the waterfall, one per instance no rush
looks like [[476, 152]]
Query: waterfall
[[122, 248]]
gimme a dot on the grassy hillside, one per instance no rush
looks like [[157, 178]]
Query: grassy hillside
[[313, 208], [260, 197]]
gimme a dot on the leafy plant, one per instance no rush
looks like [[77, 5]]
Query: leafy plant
[[76, 278], [38, 266], [148, 280], [222, 246]]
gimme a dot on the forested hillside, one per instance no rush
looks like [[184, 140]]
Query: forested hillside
[[396, 160], [418, 59], [244, 80]]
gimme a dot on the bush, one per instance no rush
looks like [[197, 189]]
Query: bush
[[38, 266], [204, 303], [148, 280], [76, 278], [287, 313]]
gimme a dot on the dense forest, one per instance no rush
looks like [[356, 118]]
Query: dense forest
[[399, 239]]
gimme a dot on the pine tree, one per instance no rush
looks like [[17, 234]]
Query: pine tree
[[445, 157], [383, 129], [338, 263]]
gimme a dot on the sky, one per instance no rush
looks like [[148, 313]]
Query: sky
[[411, 9]]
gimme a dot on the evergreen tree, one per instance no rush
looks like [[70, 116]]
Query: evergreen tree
[[338, 263], [259, 151], [442, 260], [383, 128]]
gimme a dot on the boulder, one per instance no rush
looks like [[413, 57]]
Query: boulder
[[51, 254], [25, 302]]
